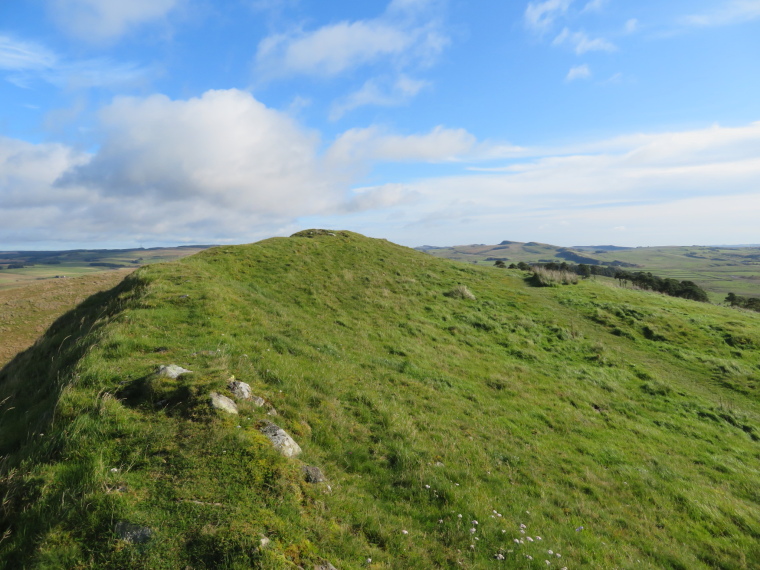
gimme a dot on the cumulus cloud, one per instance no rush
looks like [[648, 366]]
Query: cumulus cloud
[[402, 35], [100, 20], [733, 12], [581, 43], [578, 72], [224, 149]]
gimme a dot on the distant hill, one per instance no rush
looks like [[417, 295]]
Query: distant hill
[[717, 269], [19, 268], [449, 416]]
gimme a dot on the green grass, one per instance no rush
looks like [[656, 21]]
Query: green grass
[[632, 415], [77, 263], [718, 270]]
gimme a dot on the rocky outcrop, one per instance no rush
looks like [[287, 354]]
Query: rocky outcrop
[[240, 390], [219, 402], [133, 533], [281, 441], [313, 474], [171, 371]]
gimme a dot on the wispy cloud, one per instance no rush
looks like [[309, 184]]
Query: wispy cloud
[[18, 55], [733, 12], [28, 62], [373, 144], [581, 43], [631, 26], [379, 92], [578, 72], [594, 5], [666, 187], [540, 15], [103, 20], [401, 35]]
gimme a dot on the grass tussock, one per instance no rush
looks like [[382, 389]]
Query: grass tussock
[[616, 425], [542, 277]]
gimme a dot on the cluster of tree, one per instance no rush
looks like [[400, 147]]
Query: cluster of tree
[[752, 303], [672, 287], [640, 279]]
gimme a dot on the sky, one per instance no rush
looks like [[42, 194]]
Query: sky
[[424, 122]]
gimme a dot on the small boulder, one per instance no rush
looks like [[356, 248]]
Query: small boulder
[[171, 371], [313, 474], [325, 566], [240, 390], [133, 533], [219, 402], [281, 441]]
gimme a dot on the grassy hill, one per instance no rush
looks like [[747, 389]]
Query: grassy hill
[[621, 427], [718, 270]]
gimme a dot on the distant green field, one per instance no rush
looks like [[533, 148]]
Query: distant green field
[[40, 265], [718, 270]]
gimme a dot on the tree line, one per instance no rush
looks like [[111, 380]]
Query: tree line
[[751, 303], [640, 279]]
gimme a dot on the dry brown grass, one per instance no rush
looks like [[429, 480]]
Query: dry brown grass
[[27, 311]]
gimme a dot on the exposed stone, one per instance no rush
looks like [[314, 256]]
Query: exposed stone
[[171, 371], [325, 566], [264, 542], [133, 533], [223, 403], [240, 390], [281, 441], [258, 401], [313, 474]]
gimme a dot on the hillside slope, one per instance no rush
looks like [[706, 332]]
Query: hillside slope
[[621, 427]]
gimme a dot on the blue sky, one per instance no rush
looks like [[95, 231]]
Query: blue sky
[[441, 122]]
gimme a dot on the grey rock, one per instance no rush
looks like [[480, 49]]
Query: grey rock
[[281, 441], [313, 474], [133, 533], [171, 371], [240, 390], [258, 401], [325, 566], [264, 542], [223, 403]]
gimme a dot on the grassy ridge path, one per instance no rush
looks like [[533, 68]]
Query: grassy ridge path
[[26, 312]]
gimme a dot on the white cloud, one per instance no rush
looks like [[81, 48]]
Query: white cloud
[[540, 15], [372, 144], [401, 35], [17, 55], [581, 43], [222, 166], [697, 186], [733, 12], [222, 150], [100, 20], [631, 26], [578, 72], [29, 61], [377, 92], [594, 5]]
